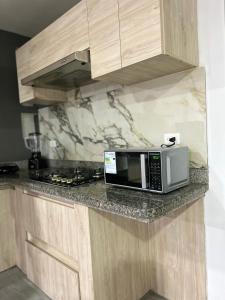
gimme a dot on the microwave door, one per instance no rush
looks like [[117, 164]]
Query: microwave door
[[128, 170]]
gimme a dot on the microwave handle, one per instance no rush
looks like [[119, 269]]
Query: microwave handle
[[143, 171]]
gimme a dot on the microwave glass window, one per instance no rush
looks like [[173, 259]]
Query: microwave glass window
[[134, 169], [128, 168]]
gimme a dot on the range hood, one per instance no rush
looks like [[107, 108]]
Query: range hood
[[72, 71]]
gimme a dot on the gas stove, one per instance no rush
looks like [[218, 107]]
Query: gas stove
[[67, 177]]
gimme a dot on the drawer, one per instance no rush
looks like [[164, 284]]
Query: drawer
[[55, 224], [53, 277]]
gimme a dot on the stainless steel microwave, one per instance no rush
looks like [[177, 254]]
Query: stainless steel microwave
[[159, 170]]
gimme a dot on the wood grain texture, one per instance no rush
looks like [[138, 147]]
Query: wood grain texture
[[66, 35], [115, 258], [180, 29], [177, 249], [121, 265], [52, 223], [62, 231], [152, 68], [31, 95], [53, 252], [152, 39], [19, 210], [52, 277], [140, 30], [167, 256], [104, 36], [7, 231]]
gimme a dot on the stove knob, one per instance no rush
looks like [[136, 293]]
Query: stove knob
[[77, 171], [98, 174]]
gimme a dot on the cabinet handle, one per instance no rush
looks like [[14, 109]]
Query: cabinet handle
[[62, 202], [143, 172]]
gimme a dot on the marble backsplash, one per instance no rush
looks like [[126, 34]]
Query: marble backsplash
[[102, 116]]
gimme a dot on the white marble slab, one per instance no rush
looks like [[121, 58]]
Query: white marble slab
[[100, 116]]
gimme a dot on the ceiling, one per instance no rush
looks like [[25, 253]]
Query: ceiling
[[28, 17]]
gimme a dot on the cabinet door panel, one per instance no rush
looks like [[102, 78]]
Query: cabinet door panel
[[52, 223], [104, 36], [51, 276], [180, 28], [106, 60], [67, 34], [60, 230], [19, 212], [7, 231], [140, 30]]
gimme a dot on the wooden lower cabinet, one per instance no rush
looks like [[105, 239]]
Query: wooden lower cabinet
[[54, 278], [7, 231], [53, 243], [19, 212], [73, 252]]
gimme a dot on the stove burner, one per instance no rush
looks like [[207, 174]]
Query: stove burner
[[68, 177]]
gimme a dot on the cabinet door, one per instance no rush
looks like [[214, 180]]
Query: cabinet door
[[19, 210], [62, 230], [180, 29], [66, 35], [140, 30], [104, 36], [52, 223], [53, 277], [7, 231]]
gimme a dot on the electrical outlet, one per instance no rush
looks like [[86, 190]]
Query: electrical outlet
[[52, 144], [167, 136]]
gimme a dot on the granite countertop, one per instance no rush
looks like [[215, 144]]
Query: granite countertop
[[139, 205]]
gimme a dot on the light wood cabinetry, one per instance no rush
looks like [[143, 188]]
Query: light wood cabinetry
[[54, 246], [7, 231], [140, 30], [66, 35], [130, 41], [19, 213], [153, 37], [74, 252], [168, 256], [53, 224], [53, 277], [104, 34]]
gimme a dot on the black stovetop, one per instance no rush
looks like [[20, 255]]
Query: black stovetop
[[67, 177]]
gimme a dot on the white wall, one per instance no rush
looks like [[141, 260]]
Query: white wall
[[212, 56]]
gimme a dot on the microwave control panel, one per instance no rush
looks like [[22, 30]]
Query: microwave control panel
[[155, 171]]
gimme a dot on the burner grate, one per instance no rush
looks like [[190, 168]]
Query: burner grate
[[67, 177]]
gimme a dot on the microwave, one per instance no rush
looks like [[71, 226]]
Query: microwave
[[159, 170]]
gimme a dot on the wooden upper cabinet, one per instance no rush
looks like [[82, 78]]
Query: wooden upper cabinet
[[104, 36], [130, 41], [66, 35], [140, 30], [156, 38]]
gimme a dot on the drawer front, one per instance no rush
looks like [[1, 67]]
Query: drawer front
[[53, 223], [54, 278]]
